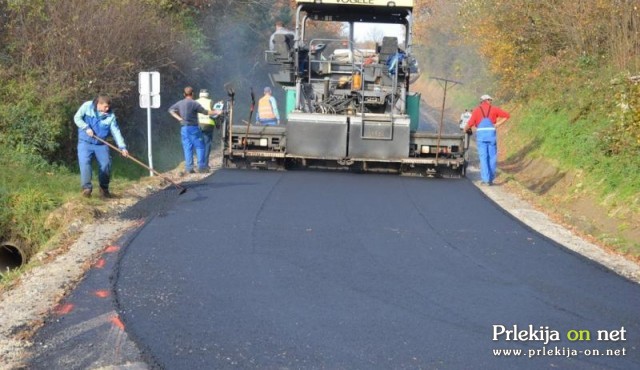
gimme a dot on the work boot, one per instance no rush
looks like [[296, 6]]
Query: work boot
[[104, 193], [86, 192]]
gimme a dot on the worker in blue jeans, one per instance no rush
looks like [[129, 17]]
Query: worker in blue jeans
[[486, 118], [186, 112], [95, 119]]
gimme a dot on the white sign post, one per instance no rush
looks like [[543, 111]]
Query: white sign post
[[149, 89]]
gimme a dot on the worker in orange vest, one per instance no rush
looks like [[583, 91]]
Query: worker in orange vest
[[267, 110]]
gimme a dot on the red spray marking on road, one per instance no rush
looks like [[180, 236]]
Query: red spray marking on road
[[117, 322], [63, 309], [101, 293], [112, 249], [100, 263]]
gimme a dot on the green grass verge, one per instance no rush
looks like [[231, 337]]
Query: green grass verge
[[578, 145], [30, 189], [590, 130]]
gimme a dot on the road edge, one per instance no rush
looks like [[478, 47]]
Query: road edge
[[542, 223]]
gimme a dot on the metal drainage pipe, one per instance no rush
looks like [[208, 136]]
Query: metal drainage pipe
[[12, 256]]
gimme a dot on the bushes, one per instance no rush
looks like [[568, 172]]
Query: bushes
[[62, 53], [91, 45], [33, 119], [518, 37], [623, 134]]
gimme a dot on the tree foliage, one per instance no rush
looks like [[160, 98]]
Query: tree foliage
[[623, 135], [92, 44], [438, 44], [518, 38], [574, 63], [57, 54], [61, 53]]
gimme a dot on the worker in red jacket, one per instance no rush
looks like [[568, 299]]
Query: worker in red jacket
[[485, 118]]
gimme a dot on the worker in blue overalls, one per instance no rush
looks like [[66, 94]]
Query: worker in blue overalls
[[486, 118]]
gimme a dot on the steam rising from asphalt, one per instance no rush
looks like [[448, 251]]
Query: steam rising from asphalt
[[237, 57]]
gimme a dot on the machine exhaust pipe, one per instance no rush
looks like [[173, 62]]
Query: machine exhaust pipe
[[12, 256]]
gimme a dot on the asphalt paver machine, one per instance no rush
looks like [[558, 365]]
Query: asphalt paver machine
[[348, 106]]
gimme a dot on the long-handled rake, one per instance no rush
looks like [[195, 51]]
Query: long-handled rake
[[181, 189]]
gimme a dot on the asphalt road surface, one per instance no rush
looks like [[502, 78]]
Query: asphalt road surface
[[253, 269], [339, 271]]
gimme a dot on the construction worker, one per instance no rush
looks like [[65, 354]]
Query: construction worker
[[464, 118], [486, 118], [281, 30], [267, 109], [186, 112], [206, 123], [94, 119]]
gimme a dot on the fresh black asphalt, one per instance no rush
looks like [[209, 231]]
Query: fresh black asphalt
[[338, 271], [254, 269]]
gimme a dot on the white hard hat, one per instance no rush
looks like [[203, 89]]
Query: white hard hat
[[485, 97]]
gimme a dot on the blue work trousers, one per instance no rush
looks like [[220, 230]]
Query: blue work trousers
[[192, 139], [86, 153], [207, 138], [488, 155]]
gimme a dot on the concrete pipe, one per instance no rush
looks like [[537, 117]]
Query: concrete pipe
[[12, 256]]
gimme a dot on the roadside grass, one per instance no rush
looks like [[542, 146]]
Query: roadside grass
[[123, 168], [39, 200], [32, 192], [574, 132], [577, 146], [31, 188]]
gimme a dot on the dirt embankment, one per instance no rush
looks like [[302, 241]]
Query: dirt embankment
[[559, 194]]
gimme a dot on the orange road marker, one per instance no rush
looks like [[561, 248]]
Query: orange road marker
[[100, 263], [63, 309], [117, 322], [102, 293], [112, 249]]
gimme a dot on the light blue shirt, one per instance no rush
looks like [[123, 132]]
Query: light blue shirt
[[102, 124]]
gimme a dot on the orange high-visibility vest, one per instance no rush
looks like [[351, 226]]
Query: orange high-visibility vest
[[265, 111]]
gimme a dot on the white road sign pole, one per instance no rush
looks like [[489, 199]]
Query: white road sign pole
[[149, 140], [149, 89]]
